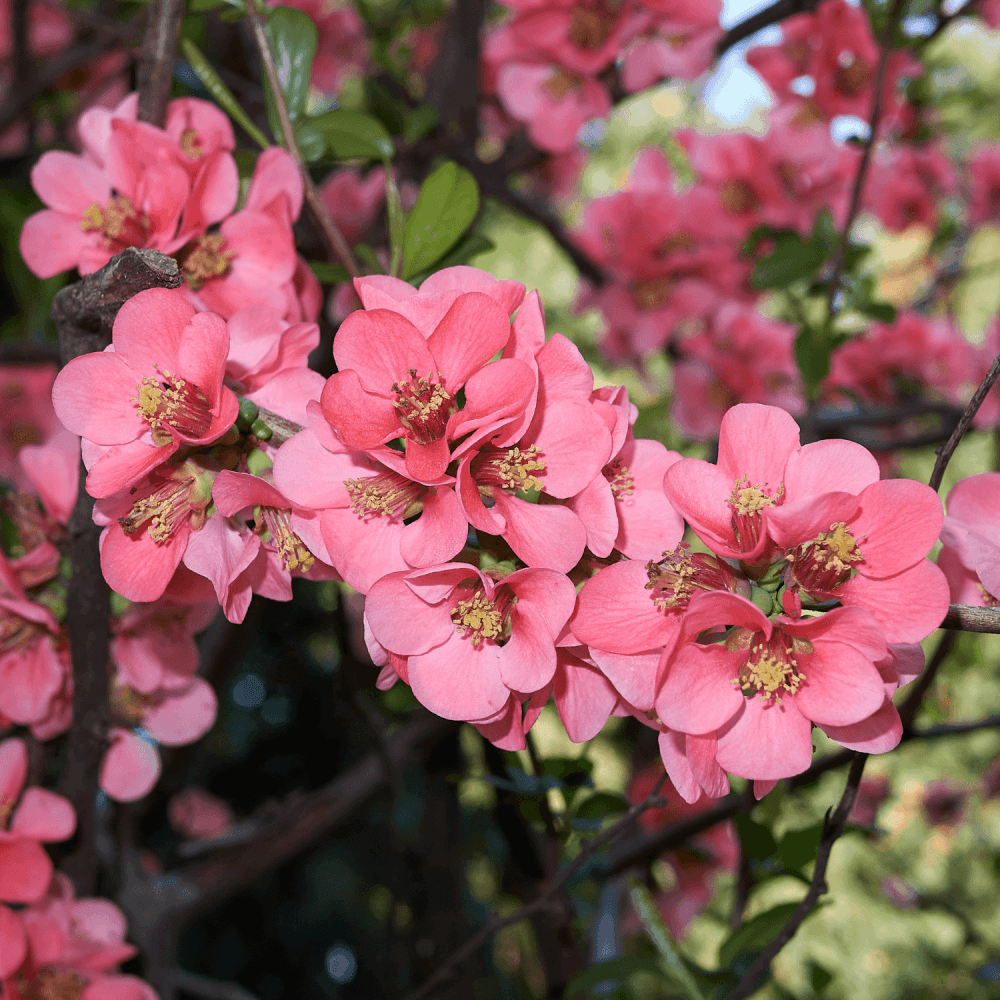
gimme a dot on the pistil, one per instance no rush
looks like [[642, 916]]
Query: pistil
[[170, 403], [747, 503], [481, 617], [424, 406]]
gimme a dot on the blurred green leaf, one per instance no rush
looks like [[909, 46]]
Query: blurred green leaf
[[419, 122], [292, 35], [791, 259], [756, 839], [469, 246], [757, 933], [447, 204], [369, 258], [798, 847], [329, 274], [596, 808], [311, 142], [352, 135], [813, 358], [220, 92], [397, 222], [615, 970], [522, 783], [819, 978]]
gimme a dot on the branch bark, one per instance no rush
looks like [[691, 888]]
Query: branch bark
[[156, 64], [84, 313], [762, 19]]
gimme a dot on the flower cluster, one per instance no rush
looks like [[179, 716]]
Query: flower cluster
[[174, 189]]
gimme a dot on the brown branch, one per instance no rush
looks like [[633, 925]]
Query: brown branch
[[945, 453], [84, 313], [332, 236], [19, 352], [859, 178], [543, 901], [762, 19], [833, 827], [156, 64], [970, 618]]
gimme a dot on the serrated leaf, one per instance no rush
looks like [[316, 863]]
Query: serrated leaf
[[615, 970], [220, 92], [755, 839], [798, 847], [292, 36], [791, 259], [329, 274], [447, 204], [756, 934], [353, 135]]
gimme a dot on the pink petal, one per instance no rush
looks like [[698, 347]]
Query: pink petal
[[575, 444], [755, 442], [543, 535], [650, 525], [43, 815], [382, 347], [439, 533], [232, 491], [130, 767], [183, 718], [841, 685], [361, 419], [137, 567], [701, 751], [699, 490], [401, 621], [505, 730], [674, 755], [15, 944], [583, 697], [499, 392], [595, 506], [697, 694], [363, 549], [899, 523], [800, 521], [879, 733], [25, 871], [528, 661], [831, 466], [124, 465], [105, 415], [69, 183], [13, 768], [311, 476], [634, 675], [458, 355], [766, 740], [426, 463], [52, 242], [149, 328]]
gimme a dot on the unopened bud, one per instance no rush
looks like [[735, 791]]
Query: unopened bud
[[260, 430]]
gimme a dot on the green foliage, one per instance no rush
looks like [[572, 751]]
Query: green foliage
[[292, 37], [597, 808], [594, 981], [329, 274], [447, 204], [522, 783], [353, 135], [791, 260], [756, 933], [756, 839]]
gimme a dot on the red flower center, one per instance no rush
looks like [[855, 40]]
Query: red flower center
[[424, 406], [590, 29], [823, 564], [118, 222], [679, 574], [205, 259], [747, 502], [170, 403], [53, 984], [771, 666], [481, 617], [620, 479]]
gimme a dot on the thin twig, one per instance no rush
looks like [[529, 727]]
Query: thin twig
[[945, 453], [874, 120], [156, 65], [970, 618], [833, 827], [544, 898], [333, 237]]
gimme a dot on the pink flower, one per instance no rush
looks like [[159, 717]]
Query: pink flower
[[906, 185], [157, 387], [25, 868], [135, 186], [353, 201], [970, 557], [196, 814], [26, 417], [394, 381], [468, 640]]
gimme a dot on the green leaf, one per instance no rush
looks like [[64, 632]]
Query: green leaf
[[596, 808], [292, 35], [447, 204], [645, 908], [755, 839], [370, 258], [419, 122], [522, 783], [756, 934], [615, 970], [799, 847], [353, 135], [790, 260], [200, 6], [819, 978], [813, 359], [220, 92], [311, 142], [329, 274], [397, 222], [469, 246]]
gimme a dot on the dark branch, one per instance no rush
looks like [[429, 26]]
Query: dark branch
[[156, 65], [20, 352], [833, 827], [944, 455], [84, 313], [969, 618], [762, 19]]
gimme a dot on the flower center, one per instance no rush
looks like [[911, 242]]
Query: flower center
[[509, 470], [52, 984], [170, 403], [620, 479], [168, 506], [424, 406], [15, 632], [118, 222], [480, 617], [747, 502], [652, 294], [291, 549], [205, 259], [823, 564], [384, 494], [676, 577], [738, 197], [590, 29], [128, 705], [770, 667], [561, 83]]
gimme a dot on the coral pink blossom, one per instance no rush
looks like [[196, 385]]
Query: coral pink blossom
[[468, 640], [196, 814], [39, 816], [158, 386], [970, 557], [906, 185], [26, 417], [677, 40], [393, 381], [354, 201]]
